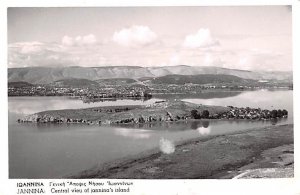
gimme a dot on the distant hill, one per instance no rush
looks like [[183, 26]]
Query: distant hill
[[115, 81], [44, 75], [19, 84], [76, 83], [198, 79]]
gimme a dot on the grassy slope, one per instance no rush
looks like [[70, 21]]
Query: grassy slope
[[209, 157]]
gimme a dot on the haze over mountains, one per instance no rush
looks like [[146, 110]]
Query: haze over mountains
[[46, 75]]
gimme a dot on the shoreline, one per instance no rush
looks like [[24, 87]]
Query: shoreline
[[254, 153]]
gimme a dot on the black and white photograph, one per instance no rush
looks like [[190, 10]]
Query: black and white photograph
[[192, 92], [148, 93]]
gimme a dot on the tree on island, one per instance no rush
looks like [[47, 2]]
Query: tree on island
[[195, 114], [274, 113], [205, 114], [279, 113], [284, 112]]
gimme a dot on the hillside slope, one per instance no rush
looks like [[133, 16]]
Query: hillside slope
[[198, 79], [44, 75]]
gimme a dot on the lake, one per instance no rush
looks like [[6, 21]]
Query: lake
[[57, 150]]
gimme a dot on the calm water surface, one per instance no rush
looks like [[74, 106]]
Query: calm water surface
[[53, 151]]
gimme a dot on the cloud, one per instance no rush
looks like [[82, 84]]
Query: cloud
[[31, 47], [79, 40], [27, 47], [67, 41], [208, 59], [86, 40], [24, 54], [248, 53], [200, 39], [175, 59], [254, 59], [135, 36]]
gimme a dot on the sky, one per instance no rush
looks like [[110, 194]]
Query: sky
[[238, 37]]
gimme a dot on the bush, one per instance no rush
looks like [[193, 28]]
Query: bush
[[284, 112], [274, 113], [195, 114], [205, 114], [279, 113]]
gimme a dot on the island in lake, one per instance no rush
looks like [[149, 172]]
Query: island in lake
[[160, 111], [249, 154]]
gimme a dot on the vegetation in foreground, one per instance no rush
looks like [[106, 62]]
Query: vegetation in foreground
[[256, 152]]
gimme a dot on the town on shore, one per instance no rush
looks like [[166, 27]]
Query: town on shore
[[140, 83]]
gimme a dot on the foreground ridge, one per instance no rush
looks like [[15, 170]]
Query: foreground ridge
[[235, 155]]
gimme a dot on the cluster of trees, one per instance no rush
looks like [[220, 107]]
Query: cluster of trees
[[278, 113], [197, 115], [205, 114]]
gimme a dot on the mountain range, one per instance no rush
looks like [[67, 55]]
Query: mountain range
[[198, 79], [46, 75]]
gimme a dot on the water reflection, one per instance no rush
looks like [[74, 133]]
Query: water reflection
[[274, 121], [205, 124], [202, 126], [203, 130], [203, 95], [199, 123], [133, 133], [169, 126], [47, 127]]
